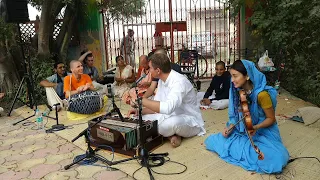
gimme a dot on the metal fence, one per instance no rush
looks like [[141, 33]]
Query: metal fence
[[210, 29]]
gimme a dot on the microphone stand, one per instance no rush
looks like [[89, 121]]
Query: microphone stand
[[56, 127], [90, 153], [115, 107], [144, 155], [28, 78]]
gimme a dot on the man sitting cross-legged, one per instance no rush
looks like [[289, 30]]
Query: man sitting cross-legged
[[174, 105], [54, 84], [217, 95], [77, 82], [87, 60]]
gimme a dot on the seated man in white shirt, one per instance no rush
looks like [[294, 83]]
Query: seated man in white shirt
[[174, 105], [153, 86], [54, 84]]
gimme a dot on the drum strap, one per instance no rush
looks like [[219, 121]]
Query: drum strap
[[67, 108], [70, 89]]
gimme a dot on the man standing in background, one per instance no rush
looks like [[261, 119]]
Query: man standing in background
[[127, 48]]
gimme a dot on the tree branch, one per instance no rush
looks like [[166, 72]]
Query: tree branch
[[68, 16], [46, 22], [67, 28], [50, 9]]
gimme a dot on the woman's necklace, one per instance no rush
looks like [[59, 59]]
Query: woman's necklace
[[248, 92], [248, 89]]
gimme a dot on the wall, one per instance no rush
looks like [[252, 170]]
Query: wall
[[91, 35]]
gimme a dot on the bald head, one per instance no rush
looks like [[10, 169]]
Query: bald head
[[160, 51], [144, 61], [76, 67], [73, 63], [143, 58]]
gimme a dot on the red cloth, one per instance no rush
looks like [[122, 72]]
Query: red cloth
[[139, 72]]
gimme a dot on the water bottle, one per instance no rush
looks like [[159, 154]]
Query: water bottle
[[39, 119], [277, 85], [46, 112]]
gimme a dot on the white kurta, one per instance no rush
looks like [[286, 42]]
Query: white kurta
[[215, 104], [179, 112]]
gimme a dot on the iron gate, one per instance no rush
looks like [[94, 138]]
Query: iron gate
[[210, 29]]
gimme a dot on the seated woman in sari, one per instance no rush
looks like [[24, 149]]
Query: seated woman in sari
[[130, 96], [234, 146], [124, 77]]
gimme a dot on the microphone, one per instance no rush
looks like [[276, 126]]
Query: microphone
[[56, 104], [110, 95], [137, 81]]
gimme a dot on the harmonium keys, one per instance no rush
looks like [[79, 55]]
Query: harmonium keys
[[132, 118]]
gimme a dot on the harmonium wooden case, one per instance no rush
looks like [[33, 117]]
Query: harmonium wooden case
[[123, 136]]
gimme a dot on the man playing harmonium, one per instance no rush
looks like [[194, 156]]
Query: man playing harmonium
[[174, 105]]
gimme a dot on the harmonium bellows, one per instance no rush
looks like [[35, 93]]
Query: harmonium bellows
[[124, 136]]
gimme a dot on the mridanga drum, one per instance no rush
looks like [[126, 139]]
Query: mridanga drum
[[87, 102]]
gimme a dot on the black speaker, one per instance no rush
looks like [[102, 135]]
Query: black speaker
[[14, 11]]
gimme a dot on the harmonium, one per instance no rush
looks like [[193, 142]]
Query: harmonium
[[124, 135]]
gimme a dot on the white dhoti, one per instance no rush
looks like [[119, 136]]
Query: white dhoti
[[181, 125], [215, 104], [52, 97], [169, 125]]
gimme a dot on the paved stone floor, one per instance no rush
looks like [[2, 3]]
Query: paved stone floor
[[26, 154]]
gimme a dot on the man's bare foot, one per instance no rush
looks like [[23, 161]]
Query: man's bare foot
[[175, 140]]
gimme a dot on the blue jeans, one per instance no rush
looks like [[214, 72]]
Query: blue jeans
[[59, 90]]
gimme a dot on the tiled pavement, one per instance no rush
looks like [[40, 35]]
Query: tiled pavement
[[31, 154]]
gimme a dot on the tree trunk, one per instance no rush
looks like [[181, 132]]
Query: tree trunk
[[8, 76], [8, 72], [46, 22], [48, 15], [13, 51], [66, 40], [65, 33]]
